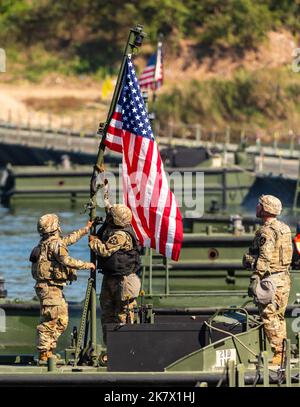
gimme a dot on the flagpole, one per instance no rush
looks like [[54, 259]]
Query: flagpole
[[154, 95], [134, 41]]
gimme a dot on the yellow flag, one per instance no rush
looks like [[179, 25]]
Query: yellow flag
[[107, 87]]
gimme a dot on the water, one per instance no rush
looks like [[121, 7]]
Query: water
[[18, 235]]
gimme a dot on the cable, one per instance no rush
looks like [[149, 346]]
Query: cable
[[230, 334]]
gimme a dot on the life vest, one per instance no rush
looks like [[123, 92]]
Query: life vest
[[296, 252]]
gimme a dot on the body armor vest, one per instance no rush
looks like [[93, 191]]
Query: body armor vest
[[283, 250], [45, 267], [122, 262]]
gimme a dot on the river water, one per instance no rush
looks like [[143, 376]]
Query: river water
[[18, 235]]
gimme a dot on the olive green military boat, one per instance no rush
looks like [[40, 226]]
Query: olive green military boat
[[193, 326], [183, 348]]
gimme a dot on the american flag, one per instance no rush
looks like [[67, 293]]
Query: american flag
[[152, 75], [156, 217]]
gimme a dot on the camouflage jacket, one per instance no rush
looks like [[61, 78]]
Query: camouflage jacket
[[119, 240], [51, 261], [271, 250]]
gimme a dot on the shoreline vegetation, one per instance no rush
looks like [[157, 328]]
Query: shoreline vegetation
[[226, 63]]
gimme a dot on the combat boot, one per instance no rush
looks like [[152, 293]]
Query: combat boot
[[276, 360], [49, 353], [43, 356], [55, 356]]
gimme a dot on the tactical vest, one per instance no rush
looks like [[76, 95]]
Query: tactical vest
[[283, 250], [122, 262], [45, 267]]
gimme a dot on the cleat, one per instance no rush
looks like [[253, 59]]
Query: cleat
[[103, 359]]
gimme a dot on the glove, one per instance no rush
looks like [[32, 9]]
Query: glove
[[89, 224], [254, 280], [72, 275]]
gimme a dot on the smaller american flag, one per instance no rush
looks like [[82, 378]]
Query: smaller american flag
[[152, 75]]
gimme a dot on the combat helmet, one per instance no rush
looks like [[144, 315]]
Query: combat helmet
[[121, 214], [271, 204], [48, 223]]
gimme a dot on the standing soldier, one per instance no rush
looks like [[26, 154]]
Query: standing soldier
[[52, 267], [269, 258], [118, 253]]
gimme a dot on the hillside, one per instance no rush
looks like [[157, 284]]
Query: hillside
[[226, 63]]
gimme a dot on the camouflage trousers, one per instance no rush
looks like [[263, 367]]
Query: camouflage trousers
[[54, 316], [118, 300], [273, 314]]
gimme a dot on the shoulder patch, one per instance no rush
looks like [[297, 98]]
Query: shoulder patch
[[116, 239], [257, 233], [113, 240], [262, 241]]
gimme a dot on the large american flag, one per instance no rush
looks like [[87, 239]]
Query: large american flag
[[156, 217], [152, 75]]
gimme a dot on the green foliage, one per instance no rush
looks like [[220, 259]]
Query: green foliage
[[88, 36], [235, 23], [293, 91], [286, 13], [248, 97], [92, 32], [25, 22]]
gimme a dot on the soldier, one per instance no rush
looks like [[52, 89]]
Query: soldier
[[269, 258], [118, 253], [52, 267]]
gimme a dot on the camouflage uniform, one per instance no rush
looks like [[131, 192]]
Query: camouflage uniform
[[52, 267], [118, 291], [270, 256]]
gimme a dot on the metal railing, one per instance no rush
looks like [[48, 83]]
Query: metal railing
[[189, 135]]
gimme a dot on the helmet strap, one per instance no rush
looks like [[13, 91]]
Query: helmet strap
[[266, 216]]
